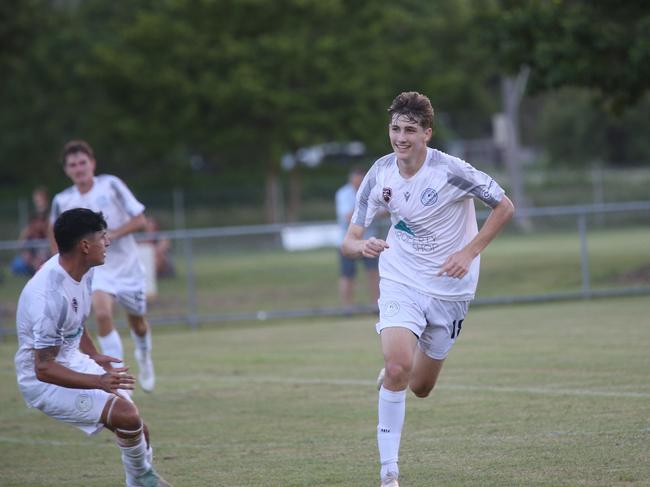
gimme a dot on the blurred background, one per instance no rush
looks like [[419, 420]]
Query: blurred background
[[235, 122]]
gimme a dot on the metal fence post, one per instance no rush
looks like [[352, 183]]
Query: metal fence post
[[179, 222], [192, 306], [584, 255]]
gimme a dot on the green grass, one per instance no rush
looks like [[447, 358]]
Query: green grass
[[531, 395]]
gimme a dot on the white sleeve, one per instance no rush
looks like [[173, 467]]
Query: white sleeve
[[125, 199], [472, 182], [47, 317], [367, 200]]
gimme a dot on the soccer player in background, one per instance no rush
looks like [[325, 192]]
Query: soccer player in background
[[122, 277], [58, 368], [428, 264]]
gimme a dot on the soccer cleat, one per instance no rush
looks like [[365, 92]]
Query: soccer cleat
[[146, 374], [151, 479], [380, 378], [390, 480]]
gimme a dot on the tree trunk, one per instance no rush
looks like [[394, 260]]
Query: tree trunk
[[512, 90], [272, 197], [295, 194]]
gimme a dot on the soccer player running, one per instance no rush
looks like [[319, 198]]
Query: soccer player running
[[58, 368], [429, 262], [122, 277]]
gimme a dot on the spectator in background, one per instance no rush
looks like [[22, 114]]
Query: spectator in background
[[161, 246], [41, 202], [31, 256], [346, 197]]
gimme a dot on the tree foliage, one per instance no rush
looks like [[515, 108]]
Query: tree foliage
[[227, 82], [603, 45]]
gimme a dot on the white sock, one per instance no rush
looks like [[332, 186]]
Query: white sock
[[142, 343], [391, 412], [111, 344], [134, 458]]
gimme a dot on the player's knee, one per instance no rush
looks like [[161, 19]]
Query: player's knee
[[421, 390], [103, 315], [138, 323], [397, 372], [125, 416]]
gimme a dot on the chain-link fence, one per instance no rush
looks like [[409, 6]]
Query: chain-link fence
[[276, 271]]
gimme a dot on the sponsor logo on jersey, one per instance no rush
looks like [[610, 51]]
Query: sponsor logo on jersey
[[429, 197], [424, 244], [400, 225], [75, 305], [74, 335], [84, 402], [407, 195], [387, 194]]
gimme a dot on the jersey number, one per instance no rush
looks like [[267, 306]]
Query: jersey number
[[455, 328]]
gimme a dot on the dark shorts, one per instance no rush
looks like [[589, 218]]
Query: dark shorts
[[349, 266]]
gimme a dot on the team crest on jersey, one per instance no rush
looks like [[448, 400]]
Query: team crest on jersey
[[75, 304], [387, 194], [84, 402], [429, 197], [391, 308]]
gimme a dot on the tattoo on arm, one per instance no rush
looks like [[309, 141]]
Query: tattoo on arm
[[46, 354]]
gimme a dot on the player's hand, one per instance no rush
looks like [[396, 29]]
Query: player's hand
[[105, 361], [457, 265], [112, 380], [373, 247]]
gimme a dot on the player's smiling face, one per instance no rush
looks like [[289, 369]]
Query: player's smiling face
[[80, 168], [408, 138]]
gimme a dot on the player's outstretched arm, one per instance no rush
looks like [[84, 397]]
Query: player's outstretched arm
[[355, 246], [457, 264], [49, 370]]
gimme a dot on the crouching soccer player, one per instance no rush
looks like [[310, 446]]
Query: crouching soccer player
[[58, 368]]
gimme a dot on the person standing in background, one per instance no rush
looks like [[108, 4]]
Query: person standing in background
[[346, 197]]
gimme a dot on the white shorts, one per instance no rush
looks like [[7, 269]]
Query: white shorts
[[436, 322], [131, 295], [78, 407]]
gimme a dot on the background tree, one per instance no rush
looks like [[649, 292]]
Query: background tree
[[603, 46]]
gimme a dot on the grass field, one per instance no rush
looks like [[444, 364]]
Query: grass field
[[531, 395]]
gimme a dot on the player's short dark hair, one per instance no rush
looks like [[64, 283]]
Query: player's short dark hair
[[75, 146], [73, 225], [415, 106]]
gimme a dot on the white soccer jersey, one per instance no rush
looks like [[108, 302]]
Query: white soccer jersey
[[122, 269], [432, 216], [52, 311]]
